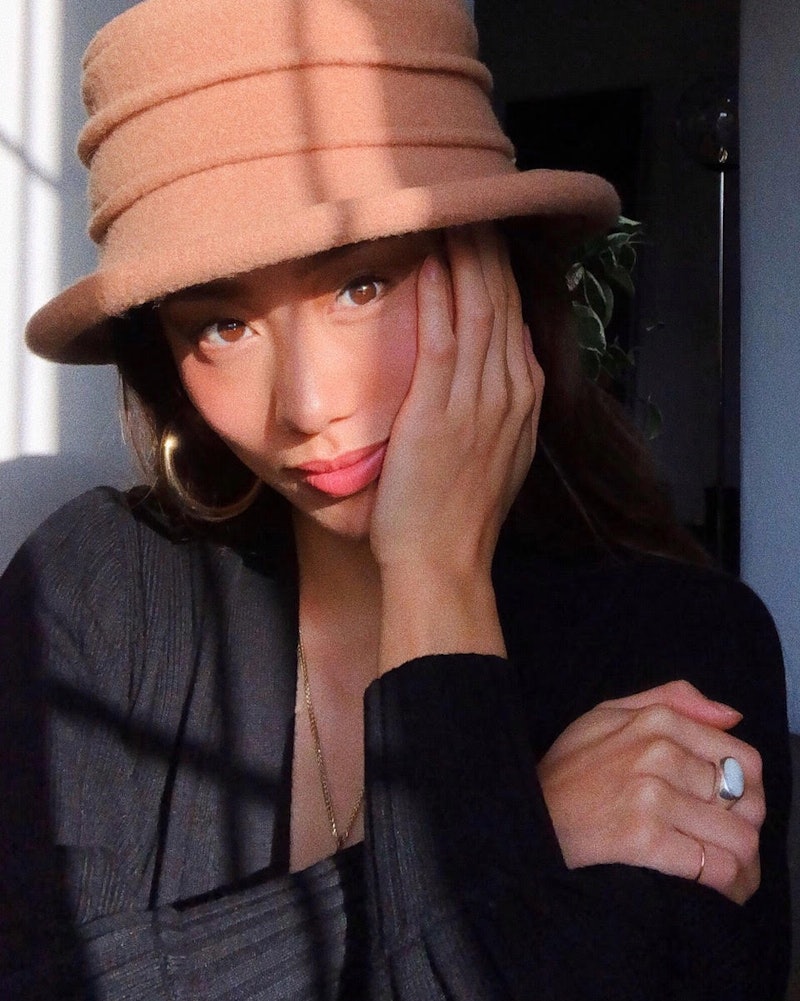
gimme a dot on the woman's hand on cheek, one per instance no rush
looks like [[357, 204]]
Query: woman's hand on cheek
[[464, 439], [635, 781], [460, 448]]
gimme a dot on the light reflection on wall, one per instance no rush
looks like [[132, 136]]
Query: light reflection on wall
[[30, 172]]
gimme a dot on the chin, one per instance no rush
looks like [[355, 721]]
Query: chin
[[348, 518]]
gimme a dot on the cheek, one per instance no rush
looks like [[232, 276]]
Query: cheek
[[227, 403], [397, 358]]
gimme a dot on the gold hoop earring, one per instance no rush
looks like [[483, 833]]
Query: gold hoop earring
[[170, 443]]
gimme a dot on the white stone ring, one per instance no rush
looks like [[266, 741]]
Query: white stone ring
[[731, 781]]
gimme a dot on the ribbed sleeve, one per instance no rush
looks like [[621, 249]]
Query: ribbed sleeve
[[285, 939], [292, 938], [469, 893]]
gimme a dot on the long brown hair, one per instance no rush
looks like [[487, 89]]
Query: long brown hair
[[592, 484]]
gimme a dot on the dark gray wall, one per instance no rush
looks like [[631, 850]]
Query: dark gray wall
[[771, 317], [582, 45], [539, 49]]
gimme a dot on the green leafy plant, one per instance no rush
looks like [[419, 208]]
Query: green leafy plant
[[603, 267]]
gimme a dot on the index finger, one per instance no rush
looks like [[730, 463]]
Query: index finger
[[684, 698]]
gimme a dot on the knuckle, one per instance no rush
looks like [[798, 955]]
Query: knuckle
[[647, 795], [755, 765], [661, 756], [439, 349], [538, 377], [653, 719], [750, 760], [682, 687], [753, 807], [525, 397]]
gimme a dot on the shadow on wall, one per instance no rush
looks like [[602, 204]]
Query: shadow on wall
[[32, 487]]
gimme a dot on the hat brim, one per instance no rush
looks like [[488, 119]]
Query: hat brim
[[232, 233]]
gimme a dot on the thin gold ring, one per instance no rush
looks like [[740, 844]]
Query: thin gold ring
[[702, 862]]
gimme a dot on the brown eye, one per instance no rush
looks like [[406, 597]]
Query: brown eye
[[224, 332], [361, 292]]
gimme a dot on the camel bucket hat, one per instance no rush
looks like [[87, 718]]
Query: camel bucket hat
[[225, 135]]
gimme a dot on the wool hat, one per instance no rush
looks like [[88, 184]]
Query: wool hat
[[225, 135]]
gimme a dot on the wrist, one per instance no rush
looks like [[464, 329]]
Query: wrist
[[425, 612]]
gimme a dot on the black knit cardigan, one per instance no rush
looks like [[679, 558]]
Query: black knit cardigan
[[147, 692]]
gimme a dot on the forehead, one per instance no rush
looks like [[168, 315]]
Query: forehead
[[393, 251]]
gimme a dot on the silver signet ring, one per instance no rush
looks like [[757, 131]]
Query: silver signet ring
[[731, 781]]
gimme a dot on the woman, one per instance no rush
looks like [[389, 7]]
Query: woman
[[370, 695]]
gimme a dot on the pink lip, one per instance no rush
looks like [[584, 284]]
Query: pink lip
[[346, 474]]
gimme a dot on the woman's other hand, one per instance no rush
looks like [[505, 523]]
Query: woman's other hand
[[636, 781], [460, 448]]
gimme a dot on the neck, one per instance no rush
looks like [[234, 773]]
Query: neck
[[335, 572], [340, 601]]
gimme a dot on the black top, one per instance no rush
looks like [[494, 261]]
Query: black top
[[147, 691]]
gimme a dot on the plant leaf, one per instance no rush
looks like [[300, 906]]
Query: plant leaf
[[627, 257], [574, 276], [653, 421], [616, 362], [617, 240], [628, 224], [589, 328], [608, 297], [608, 259], [597, 294], [620, 276]]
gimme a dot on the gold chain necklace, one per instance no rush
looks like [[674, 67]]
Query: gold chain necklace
[[339, 839]]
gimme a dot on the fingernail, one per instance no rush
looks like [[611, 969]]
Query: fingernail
[[726, 709]]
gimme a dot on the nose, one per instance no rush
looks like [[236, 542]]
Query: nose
[[311, 388]]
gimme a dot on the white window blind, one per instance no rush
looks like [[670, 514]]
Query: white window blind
[[30, 177]]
